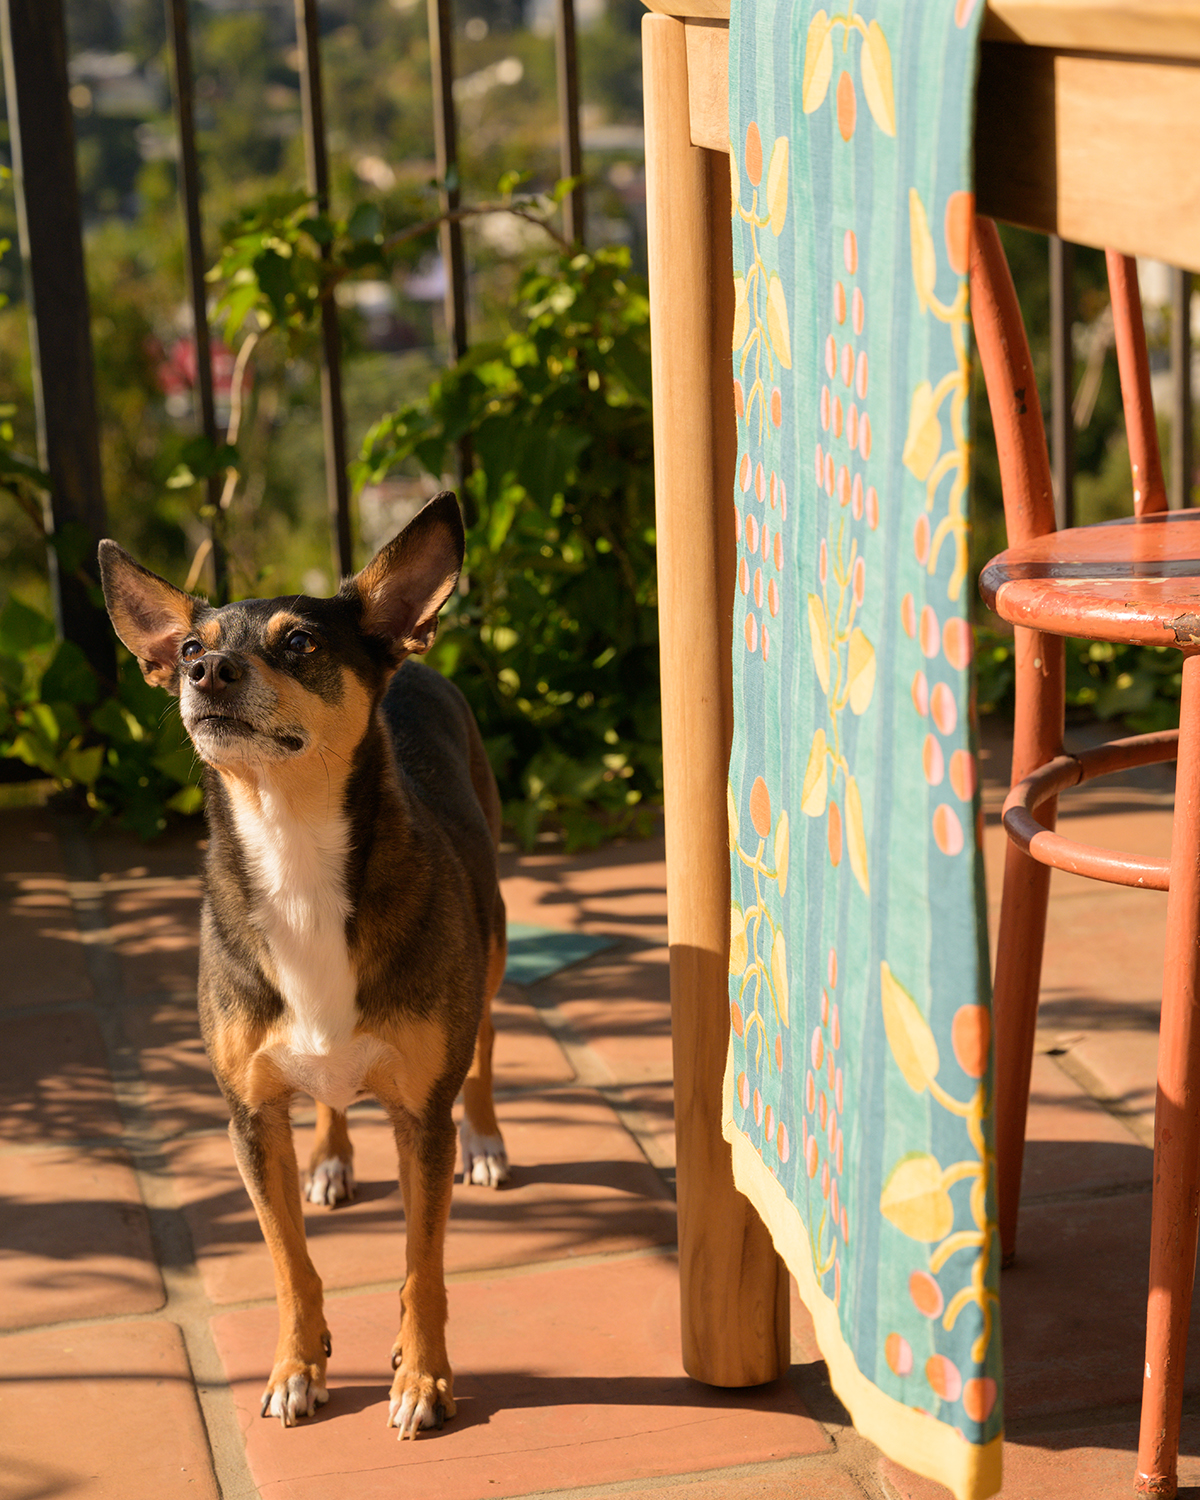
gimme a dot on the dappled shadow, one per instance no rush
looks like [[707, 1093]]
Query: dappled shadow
[[74, 1240], [551, 867], [55, 1079], [481, 1395], [1073, 1011]]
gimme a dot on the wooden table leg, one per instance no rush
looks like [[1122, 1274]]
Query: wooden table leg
[[734, 1288]]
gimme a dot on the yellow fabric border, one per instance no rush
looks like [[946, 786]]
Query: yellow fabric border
[[912, 1438]]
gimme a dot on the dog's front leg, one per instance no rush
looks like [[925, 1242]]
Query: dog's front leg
[[423, 1389], [262, 1145]]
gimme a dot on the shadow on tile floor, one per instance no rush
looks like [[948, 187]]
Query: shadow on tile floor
[[95, 1242]]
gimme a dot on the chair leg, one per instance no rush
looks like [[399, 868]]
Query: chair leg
[[1173, 1230], [1037, 738], [1014, 1005]]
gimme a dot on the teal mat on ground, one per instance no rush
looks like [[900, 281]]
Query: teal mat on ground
[[537, 952]]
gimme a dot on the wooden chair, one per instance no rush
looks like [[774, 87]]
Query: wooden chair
[[1135, 580]]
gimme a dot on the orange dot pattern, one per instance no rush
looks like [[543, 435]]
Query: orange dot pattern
[[936, 699]]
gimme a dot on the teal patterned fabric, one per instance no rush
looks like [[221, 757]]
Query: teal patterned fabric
[[858, 1094]]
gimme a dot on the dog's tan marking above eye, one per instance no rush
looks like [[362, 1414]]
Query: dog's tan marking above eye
[[210, 634], [282, 624]]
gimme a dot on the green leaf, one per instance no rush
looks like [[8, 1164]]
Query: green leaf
[[83, 766], [12, 675], [69, 678], [33, 751], [275, 279], [180, 765], [564, 187], [203, 457], [318, 228], [11, 465], [22, 628], [236, 304], [189, 800], [365, 222], [112, 722]]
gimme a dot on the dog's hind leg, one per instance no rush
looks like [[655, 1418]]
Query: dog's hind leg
[[262, 1145], [484, 1159], [331, 1166], [422, 1392]]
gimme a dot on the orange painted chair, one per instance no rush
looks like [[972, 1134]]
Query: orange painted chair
[[1135, 580]]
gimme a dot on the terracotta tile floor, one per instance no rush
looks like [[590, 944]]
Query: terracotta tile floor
[[135, 1292]]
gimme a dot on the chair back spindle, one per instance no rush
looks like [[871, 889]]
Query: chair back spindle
[[1149, 490], [1012, 390]]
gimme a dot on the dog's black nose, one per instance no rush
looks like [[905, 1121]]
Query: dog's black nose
[[213, 672]]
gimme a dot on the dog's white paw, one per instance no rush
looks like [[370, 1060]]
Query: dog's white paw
[[293, 1397], [417, 1402], [330, 1182], [484, 1159]]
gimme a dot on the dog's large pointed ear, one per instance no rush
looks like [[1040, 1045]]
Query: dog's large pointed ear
[[149, 614], [406, 583]]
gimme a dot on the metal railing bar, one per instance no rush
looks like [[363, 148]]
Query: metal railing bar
[[445, 145], [570, 152], [1062, 382], [34, 40], [450, 235], [332, 402], [189, 192]]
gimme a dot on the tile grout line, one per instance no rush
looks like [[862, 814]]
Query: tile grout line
[[391, 1285], [812, 1467], [186, 1303], [304, 1117], [1134, 1120], [593, 1072]]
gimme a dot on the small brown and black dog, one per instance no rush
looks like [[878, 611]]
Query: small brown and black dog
[[352, 933]]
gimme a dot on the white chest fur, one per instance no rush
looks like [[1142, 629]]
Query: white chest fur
[[297, 866]]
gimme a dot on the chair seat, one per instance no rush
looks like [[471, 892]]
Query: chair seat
[[1133, 580]]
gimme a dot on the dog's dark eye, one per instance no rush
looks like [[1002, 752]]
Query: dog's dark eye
[[301, 642], [191, 650]]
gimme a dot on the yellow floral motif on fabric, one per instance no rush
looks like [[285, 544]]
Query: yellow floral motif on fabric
[[757, 947], [916, 1197], [875, 66], [844, 660], [923, 456]]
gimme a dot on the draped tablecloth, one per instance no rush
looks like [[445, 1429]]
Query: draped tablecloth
[[858, 1092]]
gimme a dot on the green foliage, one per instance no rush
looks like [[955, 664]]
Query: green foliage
[[18, 477], [276, 260], [555, 644], [1139, 685], [128, 757], [281, 259]]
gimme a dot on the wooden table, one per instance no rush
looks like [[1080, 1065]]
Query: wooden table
[[1088, 127]]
